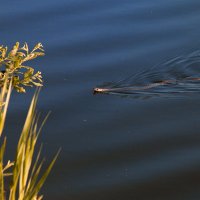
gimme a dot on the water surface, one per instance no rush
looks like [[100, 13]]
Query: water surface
[[112, 147]]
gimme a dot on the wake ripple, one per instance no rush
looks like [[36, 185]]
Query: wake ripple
[[177, 77]]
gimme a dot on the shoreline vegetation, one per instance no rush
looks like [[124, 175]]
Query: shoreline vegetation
[[24, 172]]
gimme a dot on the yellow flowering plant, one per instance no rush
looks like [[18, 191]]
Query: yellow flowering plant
[[26, 172]]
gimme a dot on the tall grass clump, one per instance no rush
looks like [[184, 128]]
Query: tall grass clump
[[24, 172]]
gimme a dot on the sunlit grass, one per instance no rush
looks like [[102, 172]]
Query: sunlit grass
[[26, 179]]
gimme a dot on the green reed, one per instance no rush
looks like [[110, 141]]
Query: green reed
[[24, 172]]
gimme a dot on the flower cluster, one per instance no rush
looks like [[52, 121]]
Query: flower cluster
[[12, 66]]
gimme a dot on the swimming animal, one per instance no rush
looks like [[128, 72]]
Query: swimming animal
[[145, 86]]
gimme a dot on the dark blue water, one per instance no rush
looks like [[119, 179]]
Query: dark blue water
[[112, 147]]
